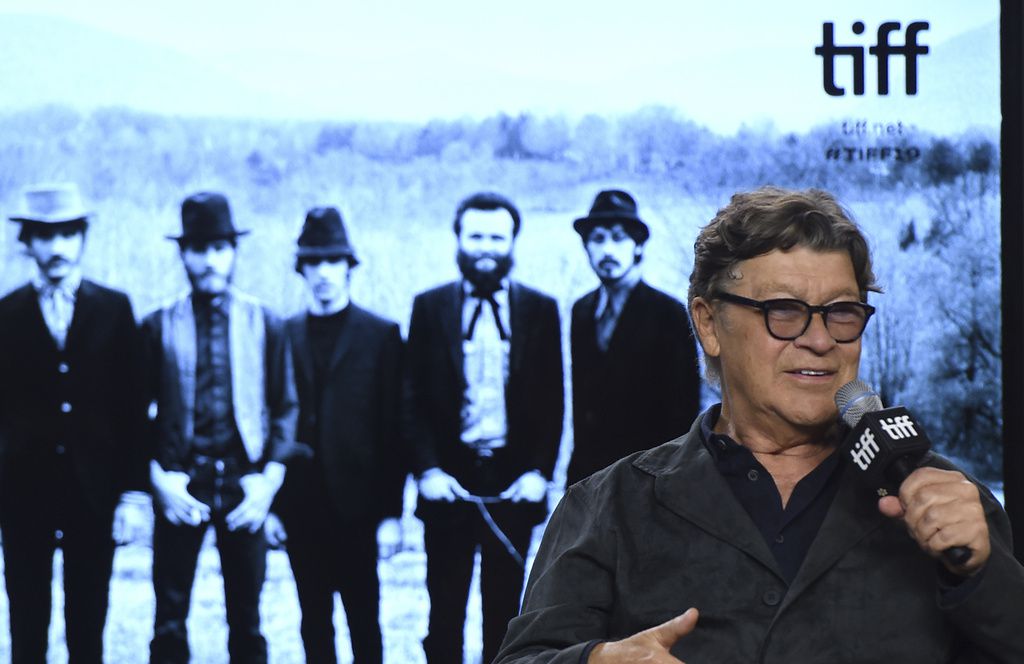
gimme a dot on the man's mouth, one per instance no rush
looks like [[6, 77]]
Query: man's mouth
[[811, 372]]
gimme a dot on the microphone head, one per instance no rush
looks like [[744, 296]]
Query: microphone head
[[854, 400]]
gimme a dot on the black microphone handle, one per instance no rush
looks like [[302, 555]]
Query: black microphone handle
[[900, 470]]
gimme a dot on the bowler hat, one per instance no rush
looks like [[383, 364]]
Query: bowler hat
[[50, 204], [323, 234], [206, 217], [613, 206]]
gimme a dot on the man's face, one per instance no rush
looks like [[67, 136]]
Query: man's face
[[56, 249], [612, 252], [327, 277], [209, 265], [781, 388], [485, 246]]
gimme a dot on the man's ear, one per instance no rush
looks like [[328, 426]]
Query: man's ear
[[705, 323]]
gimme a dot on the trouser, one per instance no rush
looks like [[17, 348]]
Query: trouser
[[327, 556], [243, 557], [450, 546], [30, 522]]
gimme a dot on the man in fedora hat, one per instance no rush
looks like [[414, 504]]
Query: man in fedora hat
[[221, 376], [635, 380], [71, 429], [485, 398], [343, 495]]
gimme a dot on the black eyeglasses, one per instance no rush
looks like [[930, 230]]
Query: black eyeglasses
[[787, 319]]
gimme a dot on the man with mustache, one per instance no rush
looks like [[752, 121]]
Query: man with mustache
[[344, 494], [71, 425], [221, 375], [635, 380], [485, 405]]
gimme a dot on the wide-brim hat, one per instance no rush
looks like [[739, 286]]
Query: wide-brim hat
[[206, 217], [56, 203], [613, 206], [323, 234]]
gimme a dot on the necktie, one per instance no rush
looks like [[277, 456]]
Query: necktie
[[481, 299], [606, 327], [58, 305]]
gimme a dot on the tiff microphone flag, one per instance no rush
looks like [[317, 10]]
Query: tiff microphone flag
[[884, 446]]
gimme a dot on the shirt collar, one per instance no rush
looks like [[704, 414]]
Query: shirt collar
[[616, 294], [317, 308], [69, 284], [500, 295]]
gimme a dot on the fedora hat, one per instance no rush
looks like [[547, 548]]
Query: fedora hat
[[50, 204], [323, 234], [613, 206], [206, 217]]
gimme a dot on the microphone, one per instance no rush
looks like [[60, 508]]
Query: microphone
[[885, 446]]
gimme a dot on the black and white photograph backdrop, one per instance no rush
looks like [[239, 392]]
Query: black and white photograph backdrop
[[395, 111]]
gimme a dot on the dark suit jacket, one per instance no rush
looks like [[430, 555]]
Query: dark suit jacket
[[98, 375], [354, 447], [644, 391], [435, 385], [661, 531]]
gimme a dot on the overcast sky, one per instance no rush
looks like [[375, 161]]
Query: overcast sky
[[723, 63]]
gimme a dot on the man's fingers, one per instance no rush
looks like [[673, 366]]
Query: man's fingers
[[890, 506], [667, 633]]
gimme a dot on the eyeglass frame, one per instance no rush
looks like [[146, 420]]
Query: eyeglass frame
[[823, 309]]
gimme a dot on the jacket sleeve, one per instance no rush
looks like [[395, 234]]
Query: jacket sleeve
[[162, 451], [417, 432], [682, 396], [282, 402], [991, 615], [550, 396], [394, 465], [571, 590], [132, 401]]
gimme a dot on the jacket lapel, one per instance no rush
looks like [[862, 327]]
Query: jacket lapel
[[450, 311], [300, 347], [517, 316], [691, 486], [35, 325], [852, 516], [82, 315], [349, 331]]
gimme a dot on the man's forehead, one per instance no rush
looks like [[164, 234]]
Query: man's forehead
[[487, 221], [798, 271], [608, 228]]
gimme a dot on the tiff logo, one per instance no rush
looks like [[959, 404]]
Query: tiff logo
[[881, 50], [899, 427], [864, 452]]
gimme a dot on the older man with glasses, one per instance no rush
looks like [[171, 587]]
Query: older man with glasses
[[752, 519]]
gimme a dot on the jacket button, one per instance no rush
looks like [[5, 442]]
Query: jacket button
[[60, 449], [65, 407], [63, 367], [771, 597]]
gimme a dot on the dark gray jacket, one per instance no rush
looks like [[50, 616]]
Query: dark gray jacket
[[660, 531]]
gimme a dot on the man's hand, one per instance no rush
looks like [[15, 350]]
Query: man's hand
[[131, 519], [435, 484], [170, 488], [260, 489], [389, 538], [942, 509], [274, 531], [651, 645], [530, 487]]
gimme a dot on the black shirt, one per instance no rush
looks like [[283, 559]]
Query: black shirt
[[788, 531]]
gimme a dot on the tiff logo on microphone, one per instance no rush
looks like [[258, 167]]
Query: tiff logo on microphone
[[899, 427], [828, 50], [864, 452]]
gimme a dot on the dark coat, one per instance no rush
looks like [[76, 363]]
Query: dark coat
[[354, 448], [168, 444], [435, 384], [642, 392], [97, 380], [661, 531]]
